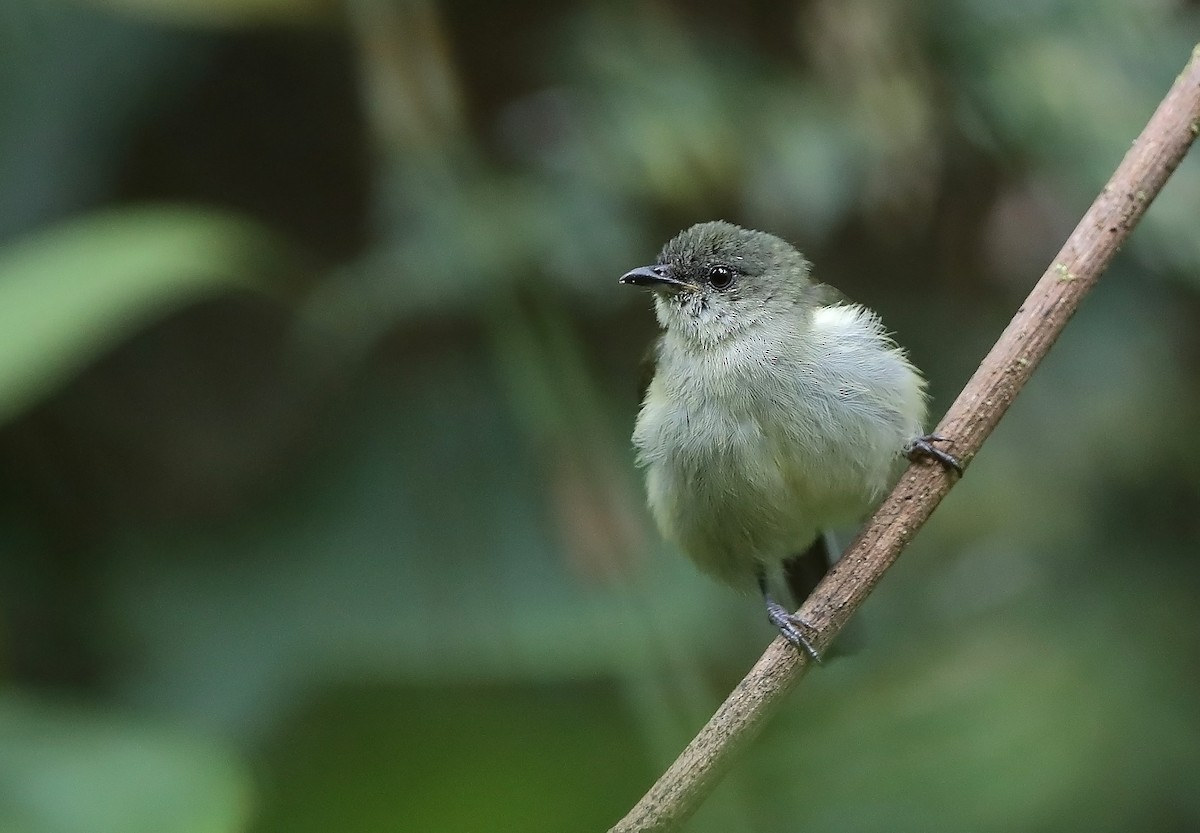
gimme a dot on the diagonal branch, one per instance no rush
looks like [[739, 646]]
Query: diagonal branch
[[1000, 377]]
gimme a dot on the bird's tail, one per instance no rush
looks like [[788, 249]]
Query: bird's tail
[[804, 571]]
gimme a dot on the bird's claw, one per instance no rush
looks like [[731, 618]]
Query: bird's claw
[[923, 447], [790, 625]]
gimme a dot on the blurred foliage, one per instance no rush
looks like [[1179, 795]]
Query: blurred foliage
[[67, 295], [317, 509], [74, 768]]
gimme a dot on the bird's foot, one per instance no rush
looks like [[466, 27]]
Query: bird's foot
[[792, 628], [923, 447]]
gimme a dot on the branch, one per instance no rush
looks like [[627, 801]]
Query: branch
[[972, 417]]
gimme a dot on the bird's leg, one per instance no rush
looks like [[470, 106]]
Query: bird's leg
[[924, 447], [787, 623]]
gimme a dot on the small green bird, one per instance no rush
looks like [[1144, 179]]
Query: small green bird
[[775, 411]]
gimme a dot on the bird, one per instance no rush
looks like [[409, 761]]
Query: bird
[[775, 410]]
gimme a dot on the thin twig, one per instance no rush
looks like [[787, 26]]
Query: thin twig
[[1002, 374]]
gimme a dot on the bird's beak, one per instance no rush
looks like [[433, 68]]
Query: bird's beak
[[655, 277]]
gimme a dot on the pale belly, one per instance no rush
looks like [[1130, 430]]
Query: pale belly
[[737, 496], [748, 457]]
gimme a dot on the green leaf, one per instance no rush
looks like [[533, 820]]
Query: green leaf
[[70, 294]]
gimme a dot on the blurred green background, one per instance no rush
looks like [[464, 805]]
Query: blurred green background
[[317, 505]]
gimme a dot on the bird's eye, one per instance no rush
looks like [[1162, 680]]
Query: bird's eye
[[720, 277]]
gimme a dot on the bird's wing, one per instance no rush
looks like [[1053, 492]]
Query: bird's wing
[[829, 296]]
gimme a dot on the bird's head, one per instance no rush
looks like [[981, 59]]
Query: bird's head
[[716, 280]]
